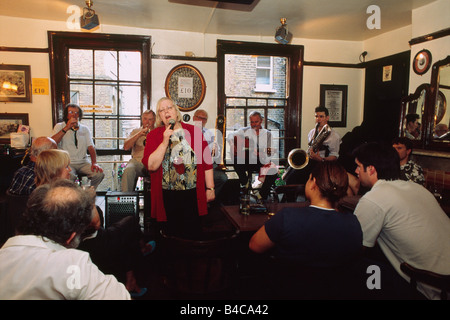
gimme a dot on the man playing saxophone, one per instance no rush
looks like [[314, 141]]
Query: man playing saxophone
[[323, 145]]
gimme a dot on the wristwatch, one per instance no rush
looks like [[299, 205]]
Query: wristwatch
[[64, 131], [210, 189]]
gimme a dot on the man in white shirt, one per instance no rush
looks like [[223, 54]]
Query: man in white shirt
[[403, 217], [42, 262], [75, 138], [200, 118], [136, 142]]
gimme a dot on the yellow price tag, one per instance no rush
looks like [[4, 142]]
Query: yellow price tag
[[40, 86]]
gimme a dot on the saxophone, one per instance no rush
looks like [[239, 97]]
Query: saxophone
[[298, 158], [316, 143]]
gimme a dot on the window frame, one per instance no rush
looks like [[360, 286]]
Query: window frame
[[59, 45], [293, 110]]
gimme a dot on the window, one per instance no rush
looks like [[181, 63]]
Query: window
[[264, 74], [109, 77], [277, 72]]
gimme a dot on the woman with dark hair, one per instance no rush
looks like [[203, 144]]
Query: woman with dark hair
[[318, 235]]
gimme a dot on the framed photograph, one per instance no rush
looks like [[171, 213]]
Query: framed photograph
[[186, 86], [334, 98], [15, 83], [9, 123]]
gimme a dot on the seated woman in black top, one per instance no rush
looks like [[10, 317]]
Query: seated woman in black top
[[317, 244]]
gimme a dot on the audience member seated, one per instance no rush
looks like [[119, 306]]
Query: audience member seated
[[118, 249], [317, 236], [220, 177], [409, 170], [75, 138], [401, 217], [41, 263], [23, 182], [136, 142]]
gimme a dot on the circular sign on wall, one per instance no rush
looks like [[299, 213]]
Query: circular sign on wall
[[422, 62], [186, 86]]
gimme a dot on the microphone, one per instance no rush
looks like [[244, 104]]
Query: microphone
[[172, 123]]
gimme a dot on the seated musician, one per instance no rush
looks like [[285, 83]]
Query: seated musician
[[251, 150], [200, 118], [323, 146]]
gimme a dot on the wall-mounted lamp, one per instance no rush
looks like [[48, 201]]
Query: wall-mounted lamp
[[282, 34], [89, 19], [362, 56]]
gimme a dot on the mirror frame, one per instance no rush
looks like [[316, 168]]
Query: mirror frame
[[431, 106], [419, 143]]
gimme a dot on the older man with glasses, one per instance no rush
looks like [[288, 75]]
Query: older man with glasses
[[75, 138], [136, 142]]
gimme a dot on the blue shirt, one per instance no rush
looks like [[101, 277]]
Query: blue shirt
[[315, 236], [23, 181]]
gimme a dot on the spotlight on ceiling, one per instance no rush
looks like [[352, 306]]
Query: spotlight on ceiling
[[89, 20], [282, 34]]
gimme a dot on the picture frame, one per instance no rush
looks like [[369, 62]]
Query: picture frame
[[9, 123], [334, 98], [15, 83], [186, 86]]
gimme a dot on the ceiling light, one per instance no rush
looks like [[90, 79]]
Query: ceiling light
[[89, 19], [282, 35]]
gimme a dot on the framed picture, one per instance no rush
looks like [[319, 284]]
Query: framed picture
[[334, 98], [9, 123], [15, 83], [186, 86]]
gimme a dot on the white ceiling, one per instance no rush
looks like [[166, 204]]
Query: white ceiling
[[312, 19]]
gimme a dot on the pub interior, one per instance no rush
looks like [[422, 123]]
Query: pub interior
[[370, 81]]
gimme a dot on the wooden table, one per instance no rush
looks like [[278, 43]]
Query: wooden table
[[254, 221]]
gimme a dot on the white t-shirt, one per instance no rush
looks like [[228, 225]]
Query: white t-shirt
[[78, 154], [409, 226], [34, 269]]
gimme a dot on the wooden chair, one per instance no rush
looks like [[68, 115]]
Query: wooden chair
[[436, 280], [198, 268]]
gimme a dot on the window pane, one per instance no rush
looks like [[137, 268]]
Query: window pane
[[129, 66], [231, 102], [106, 98], [262, 76], [106, 129], [275, 122], [81, 93], [80, 64], [263, 62], [130, 100], [106, 65]]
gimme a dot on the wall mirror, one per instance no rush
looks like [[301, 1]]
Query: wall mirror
[[412, 118], [440, 114]]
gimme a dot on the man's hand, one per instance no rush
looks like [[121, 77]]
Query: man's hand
[[96, 168]]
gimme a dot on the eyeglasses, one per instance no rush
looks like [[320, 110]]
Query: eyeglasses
[[73, 112], [163, 110]]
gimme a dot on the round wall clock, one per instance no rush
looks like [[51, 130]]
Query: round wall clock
[[186, 86], [422, 62]]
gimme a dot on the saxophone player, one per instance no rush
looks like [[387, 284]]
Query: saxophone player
[[136, 142], [323, 144]]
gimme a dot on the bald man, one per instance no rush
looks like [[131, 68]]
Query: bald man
[[23, 181]]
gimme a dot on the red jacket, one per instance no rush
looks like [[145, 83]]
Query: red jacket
[[154, 139]]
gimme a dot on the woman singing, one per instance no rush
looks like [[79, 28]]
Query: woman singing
[[180, 165]]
